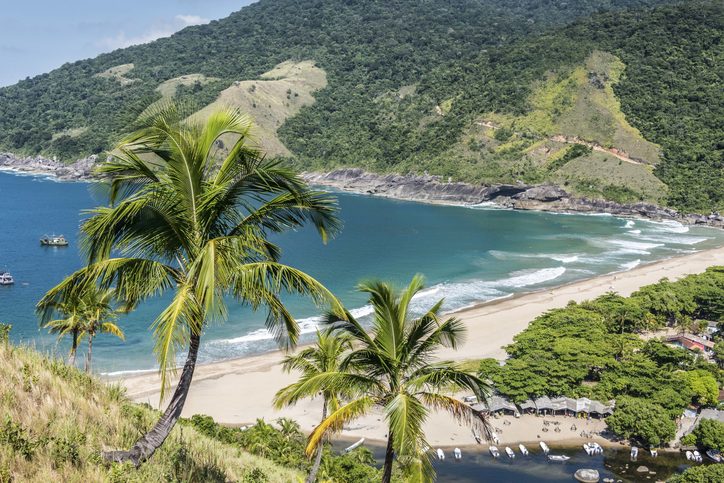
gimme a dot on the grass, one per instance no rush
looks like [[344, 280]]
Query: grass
[[274, 97], [118, 73], [168, 88], [55, 421]]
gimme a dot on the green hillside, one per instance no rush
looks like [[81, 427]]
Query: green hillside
[[411, 85], [55, 421]]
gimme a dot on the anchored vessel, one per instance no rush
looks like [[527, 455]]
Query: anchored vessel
[[6, 278], [54, 241]]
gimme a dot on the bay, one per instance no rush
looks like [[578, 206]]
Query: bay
[[467, 254]]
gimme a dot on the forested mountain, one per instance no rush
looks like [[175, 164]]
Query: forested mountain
[[613, 98]]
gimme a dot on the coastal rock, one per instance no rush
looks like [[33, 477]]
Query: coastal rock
[[545, 197], [79, 170], [642, 469]]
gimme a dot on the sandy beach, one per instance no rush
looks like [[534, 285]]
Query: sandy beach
[[240, 391]]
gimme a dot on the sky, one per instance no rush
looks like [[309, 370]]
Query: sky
[[37, 36]]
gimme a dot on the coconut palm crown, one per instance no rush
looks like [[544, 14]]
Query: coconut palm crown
[[393, 367], [191, 205]]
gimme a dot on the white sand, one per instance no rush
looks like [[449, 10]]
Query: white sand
[[241, 390]]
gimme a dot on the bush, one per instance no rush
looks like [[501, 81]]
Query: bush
[[709, 434], [701, 474], [639, 420]]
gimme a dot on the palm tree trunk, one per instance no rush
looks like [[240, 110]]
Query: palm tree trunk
[[73, 347], [318, 459], [151, 441], [389, 453], [89, 356]]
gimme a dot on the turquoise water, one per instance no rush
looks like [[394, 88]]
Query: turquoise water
[[468, 255]]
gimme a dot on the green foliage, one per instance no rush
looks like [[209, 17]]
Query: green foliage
[[700, 474], [18, 439], [710, 434], [468, 57], [703, 386], [573, 152], [642, 421], [5, 333], [286, 447]]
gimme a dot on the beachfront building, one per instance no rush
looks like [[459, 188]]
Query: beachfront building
[[497, 405], [691, 342]]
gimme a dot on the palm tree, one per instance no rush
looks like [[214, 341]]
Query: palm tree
[[393, 367], [323, 357], [99, 314], [189, 218], [68, 322]]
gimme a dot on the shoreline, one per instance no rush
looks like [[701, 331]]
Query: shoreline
[[415, 188], [238, 391]]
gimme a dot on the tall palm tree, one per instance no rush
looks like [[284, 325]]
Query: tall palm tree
[[323, 357], [192, 219], [392, 367]]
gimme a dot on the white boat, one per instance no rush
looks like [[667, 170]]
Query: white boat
[[592, 449], [509, 452], [440, 454], [587, 448], [654, 452], [558, 457], [457, 453], [6, 278], [689, 455], [523, 450], [697, 456], [544, 447], [714, 455], [634, 452], [54, 241], [354, 446], [494, 451]]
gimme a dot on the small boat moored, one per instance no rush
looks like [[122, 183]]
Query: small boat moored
[[654, 452], [494, 451], [697, 456], [634, 452], [440, 454], [6, 278], [587, 475], [354, 446], [689, 455], [523, 450], [509, 452], [592, 449], [54, 241], [558, 457], [544, 447], [457, 453], [714, 455]]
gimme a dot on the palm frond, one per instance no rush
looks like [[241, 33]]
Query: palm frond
[[460, 411], [336, 421]]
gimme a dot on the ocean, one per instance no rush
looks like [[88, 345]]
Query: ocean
[[468, 255]]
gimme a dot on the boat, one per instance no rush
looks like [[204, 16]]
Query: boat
[[634, 452], [494, 451], [714, 455], [697, 456], [558, 457], [477, 437], [587, 448], [354, 446], [523, 450], [509, 452], [587, 475], [6, 278], [440, 454], [689, 455], [457, 453], [654, 452], [54, 241], [592, 448], [544, 447]]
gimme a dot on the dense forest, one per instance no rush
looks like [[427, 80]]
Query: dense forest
[[408, 78]]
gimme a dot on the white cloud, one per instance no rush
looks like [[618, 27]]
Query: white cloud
[[165, 29]]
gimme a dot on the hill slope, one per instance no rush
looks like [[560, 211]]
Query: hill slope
[[57, 420], [408, 81]]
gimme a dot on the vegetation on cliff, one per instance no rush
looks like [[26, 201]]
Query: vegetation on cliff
[[407, 83]]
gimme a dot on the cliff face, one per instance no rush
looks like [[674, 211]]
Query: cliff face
[[79, 170], [520, 196]]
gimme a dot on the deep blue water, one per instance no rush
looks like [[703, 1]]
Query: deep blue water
[[468, 255]]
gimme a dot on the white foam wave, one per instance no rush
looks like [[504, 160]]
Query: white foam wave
[[630, 224], [128, 372], [559, 257], [630, 265], [526, 278], [670, 226], [675, 239], [634, 232], [635, 245]]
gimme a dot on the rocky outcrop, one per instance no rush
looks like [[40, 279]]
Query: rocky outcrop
[[77, 171], [434, 189]]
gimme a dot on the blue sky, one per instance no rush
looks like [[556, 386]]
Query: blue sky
[[39, 35]]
